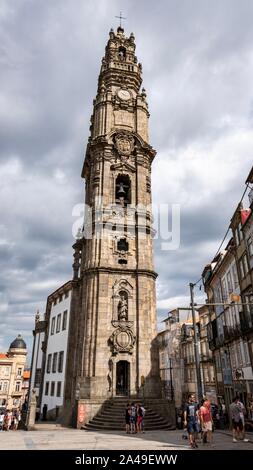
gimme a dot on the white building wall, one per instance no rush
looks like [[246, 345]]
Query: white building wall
[[57, 342]]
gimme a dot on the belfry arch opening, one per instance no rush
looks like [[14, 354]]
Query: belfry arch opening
[[123, 190], [122, 244], [122, 53]]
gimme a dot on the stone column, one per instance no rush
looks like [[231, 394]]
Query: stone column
[[31, 413]]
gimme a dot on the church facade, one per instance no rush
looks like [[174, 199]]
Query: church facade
[[111, 348]]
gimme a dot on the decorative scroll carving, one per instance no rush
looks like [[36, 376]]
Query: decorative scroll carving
[[122, 339]]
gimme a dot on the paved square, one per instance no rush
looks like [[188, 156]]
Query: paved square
[[52, 437]]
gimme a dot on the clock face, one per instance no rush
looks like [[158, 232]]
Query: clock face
[[124, 95]]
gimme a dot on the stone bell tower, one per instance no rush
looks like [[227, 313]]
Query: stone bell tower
[[113, 313]]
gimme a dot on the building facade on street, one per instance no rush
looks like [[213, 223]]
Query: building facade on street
[[188, 357], [228, 284], [50, 352], [26, 385], [177, 362], [206, 357], [12, 379], [56, 342], [170, 361], [224, 324], [247, 287], [230, 348]]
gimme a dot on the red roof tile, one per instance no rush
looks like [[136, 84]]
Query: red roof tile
[[3, 356]]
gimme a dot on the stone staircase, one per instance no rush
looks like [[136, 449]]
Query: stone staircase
[[112, 418]]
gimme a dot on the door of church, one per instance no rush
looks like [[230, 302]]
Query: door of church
[[122, 378]]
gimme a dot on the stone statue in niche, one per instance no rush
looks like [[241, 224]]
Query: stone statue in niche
[[109, 375], [122, 308]]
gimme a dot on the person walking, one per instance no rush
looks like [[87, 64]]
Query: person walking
[[191, 420], [15, 421], [236, 417], [139, 417], [206, 422], [242, 416], [133, 419]]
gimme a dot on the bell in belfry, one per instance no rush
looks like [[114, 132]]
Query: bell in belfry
[[121, 191]]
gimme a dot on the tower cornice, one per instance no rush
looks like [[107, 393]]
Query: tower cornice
[[106, 146], [106, 269]]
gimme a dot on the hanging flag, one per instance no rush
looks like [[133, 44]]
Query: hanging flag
[[244, 215]]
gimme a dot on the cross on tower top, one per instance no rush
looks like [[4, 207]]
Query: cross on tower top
[[120, 18]]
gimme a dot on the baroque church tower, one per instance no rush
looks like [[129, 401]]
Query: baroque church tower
[[111, 349]]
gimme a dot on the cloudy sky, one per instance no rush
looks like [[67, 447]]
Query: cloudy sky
[[197, 61]]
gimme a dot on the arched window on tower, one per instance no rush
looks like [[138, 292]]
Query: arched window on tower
[[122, 53], [123, 306], [123, 190]]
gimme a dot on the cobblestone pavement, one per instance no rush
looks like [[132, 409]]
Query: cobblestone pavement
[[52, 437]]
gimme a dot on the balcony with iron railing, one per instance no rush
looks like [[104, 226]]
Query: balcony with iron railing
[[246, 321], [16, 393], [211, 343], [232, 332], [219, 341], [206, 357], [189, 359]]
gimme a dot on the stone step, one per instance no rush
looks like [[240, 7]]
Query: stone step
[[114, 419], [114, 407], [118, 408], [92, 426], [148, 413]]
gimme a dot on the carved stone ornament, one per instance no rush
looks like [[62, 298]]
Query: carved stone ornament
[[124, 144], [122, 339]]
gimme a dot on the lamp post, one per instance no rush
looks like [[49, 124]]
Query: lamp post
[[195, 342], [171, 384]]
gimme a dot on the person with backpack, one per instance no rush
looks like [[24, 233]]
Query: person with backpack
[[237, 422], [191, 420], [133, 419]]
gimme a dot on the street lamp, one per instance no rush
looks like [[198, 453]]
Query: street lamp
[[171, 383], [195, 342]]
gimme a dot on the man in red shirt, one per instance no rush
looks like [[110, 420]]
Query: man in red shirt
[[206, 421]]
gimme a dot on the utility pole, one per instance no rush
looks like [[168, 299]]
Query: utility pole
[[171, 384], [196, 351]]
